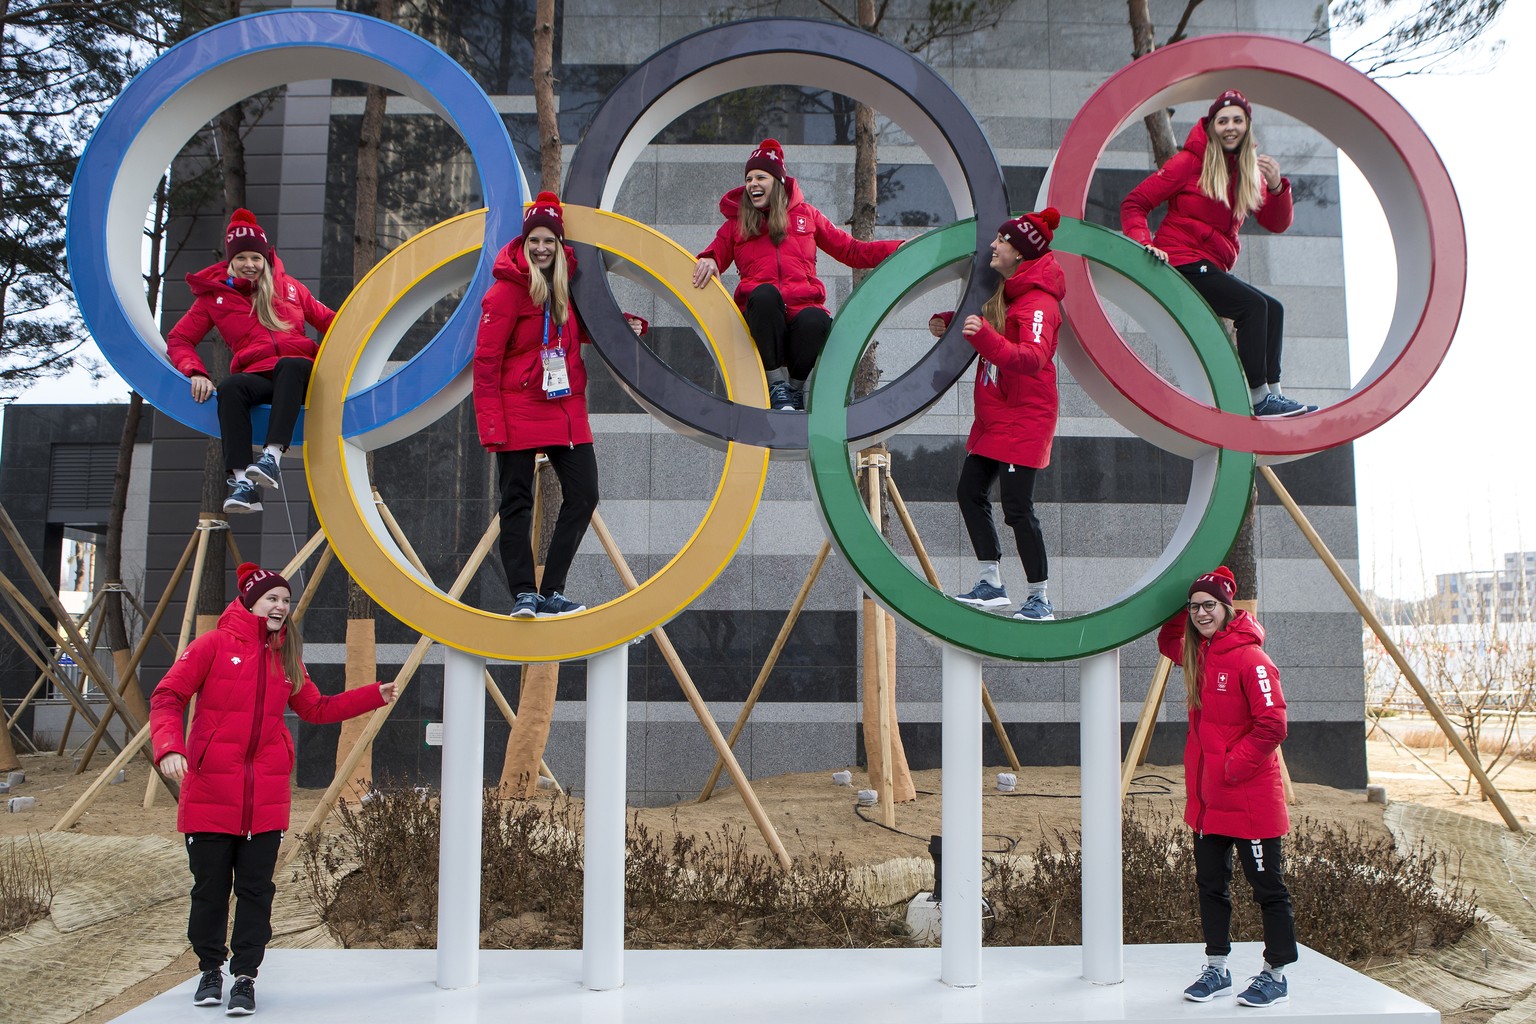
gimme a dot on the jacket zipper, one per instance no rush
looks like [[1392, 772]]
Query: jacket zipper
[[1200, 760], [248, 808]]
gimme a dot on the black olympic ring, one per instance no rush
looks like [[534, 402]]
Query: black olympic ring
[[716, 61]]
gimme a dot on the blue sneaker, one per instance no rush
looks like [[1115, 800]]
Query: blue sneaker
[[557, 604], [528, 606], [1213, 982], [984, 595], [246, 497], [1036, 608], [1304, 406], [264, 471], [797, 396], [1265, 990], [781, 395], [1278, 405]]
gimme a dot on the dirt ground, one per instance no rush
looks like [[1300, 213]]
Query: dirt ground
[[810, 814]]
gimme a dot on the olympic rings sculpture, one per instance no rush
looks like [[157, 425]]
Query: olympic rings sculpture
[[352, 411]]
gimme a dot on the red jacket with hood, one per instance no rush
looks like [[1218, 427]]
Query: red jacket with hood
[[239, 752], [511, 409], [790, 266], [1196, 226], [1016, 400], [224, 303], [1231, 774]]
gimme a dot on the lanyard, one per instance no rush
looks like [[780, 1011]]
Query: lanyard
[[558, 329]]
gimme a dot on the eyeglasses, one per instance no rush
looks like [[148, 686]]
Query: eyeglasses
[[1209, 607]]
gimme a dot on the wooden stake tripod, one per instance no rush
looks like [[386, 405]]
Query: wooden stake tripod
[[877, 464], [418, 654]]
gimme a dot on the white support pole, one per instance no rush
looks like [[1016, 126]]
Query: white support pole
[[602, 913], [1103, 928], [458, 871], [960, 870]]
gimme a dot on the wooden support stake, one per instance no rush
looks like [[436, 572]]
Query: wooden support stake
[[87, 798], [695, 701], [884, 698], [380, 715], [127, 676], [1136, 754], [497, 696], [1425, 697], [933, 580], [189, 616], [19, 602], [768, 665]]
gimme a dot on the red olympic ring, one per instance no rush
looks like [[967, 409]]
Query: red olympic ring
[[1394, 155]]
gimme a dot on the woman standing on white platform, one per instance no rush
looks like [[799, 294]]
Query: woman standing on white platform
[[1235, 796]]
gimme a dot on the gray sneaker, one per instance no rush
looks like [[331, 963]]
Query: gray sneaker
[[558, 604], [210, 988], [246, 497], [1036, 608], [984, 595], [264, 471], [242, 998]]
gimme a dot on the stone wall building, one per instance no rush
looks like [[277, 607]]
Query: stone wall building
[[1108, 502]]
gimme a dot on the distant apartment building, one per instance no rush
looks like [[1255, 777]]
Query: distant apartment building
[[1507, 594]]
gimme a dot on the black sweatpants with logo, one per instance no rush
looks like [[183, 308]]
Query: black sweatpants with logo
[[221, 862], [1261, 866]]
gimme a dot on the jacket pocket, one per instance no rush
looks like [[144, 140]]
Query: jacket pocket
[[200, 750]]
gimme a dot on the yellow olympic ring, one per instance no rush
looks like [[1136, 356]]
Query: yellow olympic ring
[[411, 277]]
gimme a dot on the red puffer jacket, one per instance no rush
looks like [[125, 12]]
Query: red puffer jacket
[[790, 266], [1231, 773], [239, 753], [1196, 226], [1016, 399], [225, 304], [511, 410]]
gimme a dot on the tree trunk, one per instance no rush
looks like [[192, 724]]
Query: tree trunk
[[1159, 124], [550, 167], [536, 695], [361, 637]]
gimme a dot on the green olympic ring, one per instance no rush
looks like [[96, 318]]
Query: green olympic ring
[[1219, 488]]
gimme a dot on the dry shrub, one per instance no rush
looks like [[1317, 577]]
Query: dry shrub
[[1429, 738], [1354, 897], [26, 888], [374, 882]]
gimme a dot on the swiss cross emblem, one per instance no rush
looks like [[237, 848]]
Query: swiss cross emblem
[[234, 659], [293, 292], [799, 223], [1221, 682]]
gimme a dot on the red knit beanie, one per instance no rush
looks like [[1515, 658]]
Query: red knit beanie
[[1219, 583], [1031, 233], [545, 212], [769, 156], [245, 235], [253, 581], [1230, 98]]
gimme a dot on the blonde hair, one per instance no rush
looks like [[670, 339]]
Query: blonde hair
[[553, 285], [1248, 194], [749, 219], [263, 295], [995, 309]]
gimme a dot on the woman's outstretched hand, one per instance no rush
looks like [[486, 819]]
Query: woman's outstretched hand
[[389, 691], [705, 269], [1155, 252], [202, 389]]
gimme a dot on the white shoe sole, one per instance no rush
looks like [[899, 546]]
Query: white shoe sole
[[524, 613], [991, 602], [556, 615], [1259, 1006], [1205, 999], [254, 472], [206, 1001], [1030, 618], [240, 508]]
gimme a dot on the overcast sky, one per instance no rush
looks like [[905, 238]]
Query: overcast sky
[[1441, 487]]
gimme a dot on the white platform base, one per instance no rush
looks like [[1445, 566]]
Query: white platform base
[[1037, 985]]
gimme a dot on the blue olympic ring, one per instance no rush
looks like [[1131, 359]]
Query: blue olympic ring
[[189, 85]]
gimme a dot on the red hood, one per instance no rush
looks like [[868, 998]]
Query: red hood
[[1244, 631], [1043, 273], [216, 279], [239, 620], [512, 263], [730, 203]]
